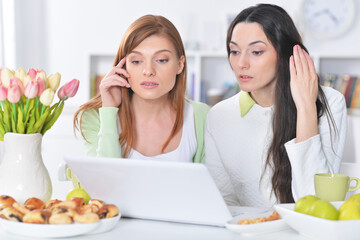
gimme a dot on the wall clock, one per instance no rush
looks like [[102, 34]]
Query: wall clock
[[328, 18]]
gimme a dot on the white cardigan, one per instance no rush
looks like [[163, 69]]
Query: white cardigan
[[236, 149]]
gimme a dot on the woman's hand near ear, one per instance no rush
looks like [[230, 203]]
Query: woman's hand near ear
[[304, 90], [110, 86]]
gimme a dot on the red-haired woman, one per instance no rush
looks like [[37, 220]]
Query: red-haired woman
[[141, 111]]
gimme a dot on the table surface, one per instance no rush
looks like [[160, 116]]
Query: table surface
[[133, 229]]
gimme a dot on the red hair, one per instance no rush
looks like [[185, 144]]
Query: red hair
[[138, 31]]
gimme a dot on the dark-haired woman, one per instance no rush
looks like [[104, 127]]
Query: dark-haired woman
[[264, 145]]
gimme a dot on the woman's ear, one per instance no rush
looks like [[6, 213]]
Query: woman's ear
[[181, 64]]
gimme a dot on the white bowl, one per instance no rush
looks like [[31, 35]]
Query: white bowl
[[319, 228]]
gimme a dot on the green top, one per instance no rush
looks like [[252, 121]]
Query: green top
[[100, 129]]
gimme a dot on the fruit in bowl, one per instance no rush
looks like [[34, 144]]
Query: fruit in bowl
[[324, 209], [350, 209], [316, 207], [311, 205], [303, 205]]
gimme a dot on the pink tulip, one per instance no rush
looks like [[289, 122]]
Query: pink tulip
[[31, 89], [61, 93], [32, 73], [71, 88], [41, 86], [16, 82], [14, 94], [3, 93]]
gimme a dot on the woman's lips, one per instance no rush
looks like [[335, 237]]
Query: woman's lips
[[149, 84], [245, 78]]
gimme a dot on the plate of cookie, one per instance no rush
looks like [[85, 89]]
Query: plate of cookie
[[55, 218], [257, 223]]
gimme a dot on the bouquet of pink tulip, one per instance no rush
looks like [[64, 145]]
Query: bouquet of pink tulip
[[25, 100]]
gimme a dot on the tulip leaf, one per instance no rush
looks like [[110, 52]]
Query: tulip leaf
[[2, 129], [52, 118], [7, 114], [40, 122], [30, 108], [20, 124], [31, 123]]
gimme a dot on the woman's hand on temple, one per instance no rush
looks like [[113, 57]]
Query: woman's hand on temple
[[110, 86], [303, 79], [304, 90]]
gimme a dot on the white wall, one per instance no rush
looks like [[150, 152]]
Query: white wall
[[60, 35]]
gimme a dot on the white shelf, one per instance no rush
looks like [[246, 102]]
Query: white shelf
[[208, 70]]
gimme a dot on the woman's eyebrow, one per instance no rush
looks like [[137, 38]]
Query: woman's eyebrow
[[252, 43], [160, 51]]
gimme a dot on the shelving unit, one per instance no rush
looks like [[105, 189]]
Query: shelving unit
[[208, 70], [340, 65]]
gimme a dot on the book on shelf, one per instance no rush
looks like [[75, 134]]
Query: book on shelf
[[348, 85], [94, 84], [348, 91], [356, 98]]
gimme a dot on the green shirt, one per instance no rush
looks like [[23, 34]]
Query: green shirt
[[99, 128]]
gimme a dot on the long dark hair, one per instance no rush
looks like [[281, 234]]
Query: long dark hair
[[282, 33]]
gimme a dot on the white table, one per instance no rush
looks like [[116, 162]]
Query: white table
[[136, 229]]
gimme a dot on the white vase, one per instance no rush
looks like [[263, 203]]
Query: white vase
[[22, 170]]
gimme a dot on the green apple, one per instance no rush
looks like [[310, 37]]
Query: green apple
[[78, 192], [350, 211], [324, 209], [349, 202], [304, 204], [354, 197]]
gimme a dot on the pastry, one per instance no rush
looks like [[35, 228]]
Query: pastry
[[6, 200], [50, 203], [63, 210], [86, 218], [108, 211], [87, 209], [61, 218], [11, 214], [96, 202], [2, 207], [66, 204], [34, 203], [78, 200], [37, 216], [20, 208]]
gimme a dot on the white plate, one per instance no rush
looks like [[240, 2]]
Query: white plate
[[106, 225], [61, 230], [319, 228], [256, 228]]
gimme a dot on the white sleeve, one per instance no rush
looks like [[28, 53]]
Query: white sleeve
[[217, 170], [321, 153]]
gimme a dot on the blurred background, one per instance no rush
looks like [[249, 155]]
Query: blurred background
[[79, 39]]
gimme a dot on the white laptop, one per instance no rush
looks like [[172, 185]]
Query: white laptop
[[167, 191]]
